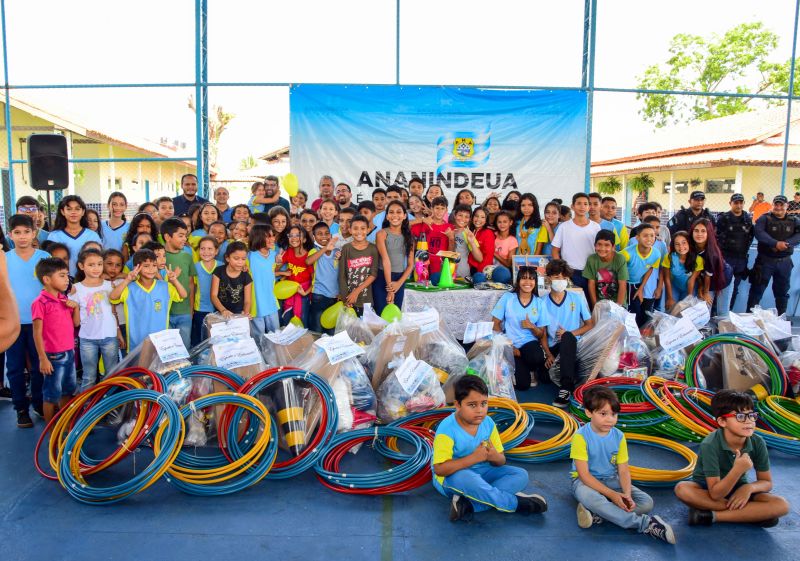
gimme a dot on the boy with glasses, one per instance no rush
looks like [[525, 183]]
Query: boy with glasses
[[720, 490]]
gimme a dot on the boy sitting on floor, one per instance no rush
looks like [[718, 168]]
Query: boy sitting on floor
[[468, 460], [601, 476], [719, 490]]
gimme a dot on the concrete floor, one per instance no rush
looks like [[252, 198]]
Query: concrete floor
[[299, 519]]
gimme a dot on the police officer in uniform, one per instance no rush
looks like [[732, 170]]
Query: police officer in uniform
[[734, 236], [685, 217], [777, 234]]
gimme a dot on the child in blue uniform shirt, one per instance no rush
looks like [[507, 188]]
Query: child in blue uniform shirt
[[569, 319], [147, 300], [654, 289], [261, 260], [643, 261], [22, 262], [207, 251], [325, 287], [523, 317], [468, 460], [601, 477]]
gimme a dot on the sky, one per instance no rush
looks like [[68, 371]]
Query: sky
[[447, 42]]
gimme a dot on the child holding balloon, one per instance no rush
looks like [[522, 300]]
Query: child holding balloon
[[295, 259], [396, 249]]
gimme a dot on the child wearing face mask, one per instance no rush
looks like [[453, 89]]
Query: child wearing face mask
[[568, 318]]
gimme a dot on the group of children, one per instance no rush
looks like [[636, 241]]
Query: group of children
[[469, 467]]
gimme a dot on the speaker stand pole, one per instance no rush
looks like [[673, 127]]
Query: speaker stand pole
[[49, 212]]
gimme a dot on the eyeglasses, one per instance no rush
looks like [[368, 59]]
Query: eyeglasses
[[31, 208], [293, 236], [742, 417]]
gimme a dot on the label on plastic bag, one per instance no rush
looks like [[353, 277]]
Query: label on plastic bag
[[631, 327], [236, 328], [288, 335], [371, 317], [339, 347], [478, 330], [746, 324], [235, 354], [412, 372], [779, 329], [699, 314], [399, 344], [169, 345], [680, 335], [427, 320]]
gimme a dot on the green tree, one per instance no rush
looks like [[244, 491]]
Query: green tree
[[218, 120], [248, 163], [737, 61]]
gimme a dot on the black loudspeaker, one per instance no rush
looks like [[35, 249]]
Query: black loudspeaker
[[48, 162]]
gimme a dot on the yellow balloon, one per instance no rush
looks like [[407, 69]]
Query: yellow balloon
[[296, 321], [328, 318], [391, 313], [290, 184], [286, 289]]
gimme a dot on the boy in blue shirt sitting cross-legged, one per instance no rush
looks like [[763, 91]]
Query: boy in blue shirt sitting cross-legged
[[468, 460]]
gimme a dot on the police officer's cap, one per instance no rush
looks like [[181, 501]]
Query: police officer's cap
[[780, 199], [737, 197], [698, 195]]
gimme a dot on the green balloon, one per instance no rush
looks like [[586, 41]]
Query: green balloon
[[391, 313]]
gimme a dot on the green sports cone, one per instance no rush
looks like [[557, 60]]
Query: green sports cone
[[446, 277]]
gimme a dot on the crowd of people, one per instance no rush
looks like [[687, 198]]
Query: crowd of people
[[178, 259], [96, 288]]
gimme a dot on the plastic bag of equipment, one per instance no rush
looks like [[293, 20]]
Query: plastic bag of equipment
[[658, 323], [491, 359], [375, 322], [791, 363], [347, 377], [216, 325], [393, 344], [357, 329], [599, 350], [741, 367], [412, 386], [437, 346], [284, 347], [668, 364], [777, 328]]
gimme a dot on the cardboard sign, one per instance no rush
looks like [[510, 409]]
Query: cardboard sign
[[427, 320], [478, 330], [288, 335], [339, 347], [699, 314], [412, 372], [169, 345], [680, 335], [631, 327], [237, 328], [236, 354]]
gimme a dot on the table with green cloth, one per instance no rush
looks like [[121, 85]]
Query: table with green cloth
[[457, 307]]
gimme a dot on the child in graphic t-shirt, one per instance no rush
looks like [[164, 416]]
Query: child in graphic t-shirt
[[358, 267]]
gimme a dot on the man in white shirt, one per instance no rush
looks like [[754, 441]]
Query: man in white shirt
[[574, 240]]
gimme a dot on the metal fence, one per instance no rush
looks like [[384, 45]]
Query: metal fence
[[145, 173]]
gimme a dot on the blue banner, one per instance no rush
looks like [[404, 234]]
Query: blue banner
[[460, 138]]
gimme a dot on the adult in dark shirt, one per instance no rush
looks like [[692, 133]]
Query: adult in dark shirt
[[344, 196], [777, 234], [182, 202], [793, 207], [734, 237], [271, 191], [683, 219]]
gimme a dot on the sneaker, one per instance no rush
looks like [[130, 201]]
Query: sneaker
[[531, 503], [585, 518], [562, 399], [39, 411], [660, 530], [24, 420], [772, 522], [699, 517], [5, 393], [461, 509]]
